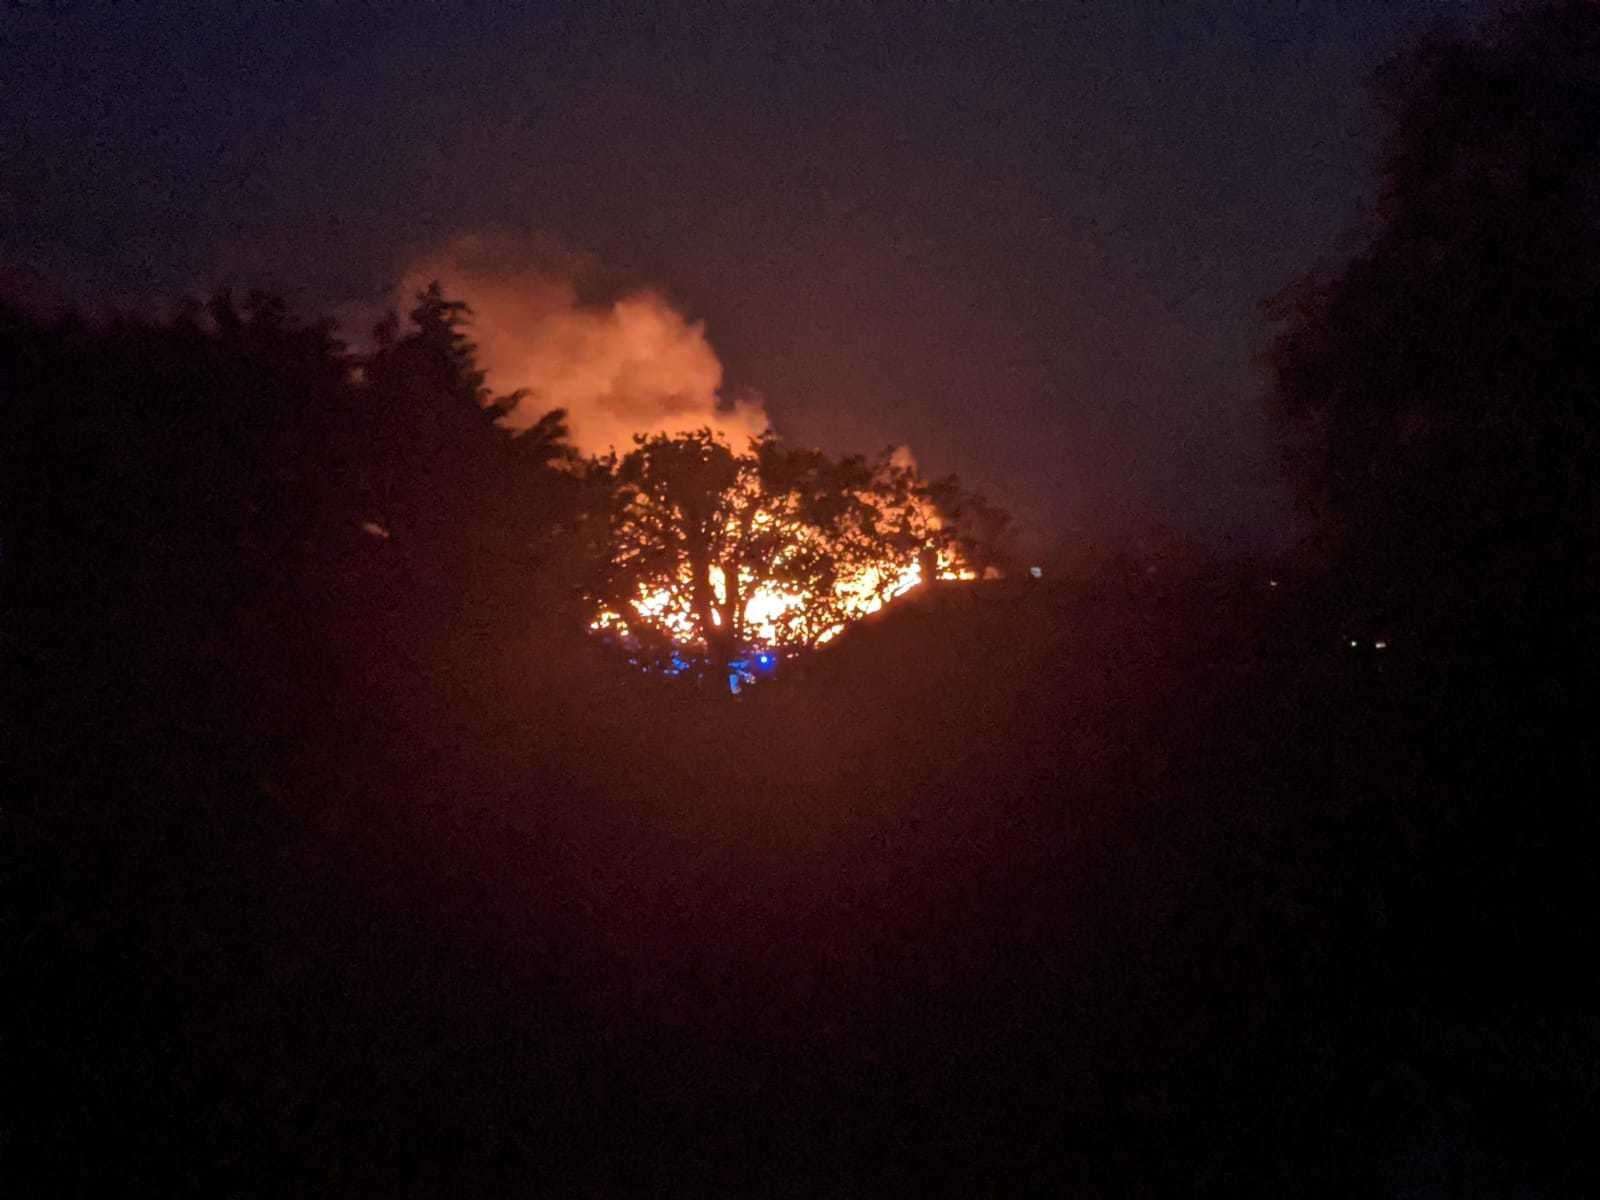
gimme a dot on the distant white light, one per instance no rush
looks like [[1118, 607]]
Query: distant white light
[[1272, 583], [1353, 645], [376, 530], [1381, 645], [1036, 572]]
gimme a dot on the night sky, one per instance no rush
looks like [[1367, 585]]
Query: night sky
[[1030, 241]]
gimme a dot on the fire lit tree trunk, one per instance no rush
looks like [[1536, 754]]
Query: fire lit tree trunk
[[718, 633], [733, 606]]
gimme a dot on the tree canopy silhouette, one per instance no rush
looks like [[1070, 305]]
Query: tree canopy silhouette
[[708, 550], [233, 458], [1440, 390]]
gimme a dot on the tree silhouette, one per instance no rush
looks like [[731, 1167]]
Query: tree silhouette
[[1440, 390], [710, 550], [465, 508]]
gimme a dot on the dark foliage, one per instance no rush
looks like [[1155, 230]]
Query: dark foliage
[[338, 861], [1442, 386]]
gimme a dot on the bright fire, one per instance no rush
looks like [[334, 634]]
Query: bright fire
[[767, 605], [725, 554]]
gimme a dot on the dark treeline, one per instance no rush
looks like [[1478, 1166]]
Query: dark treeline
[[341, 859]]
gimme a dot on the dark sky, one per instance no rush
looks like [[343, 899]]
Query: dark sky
[[1029, 240]]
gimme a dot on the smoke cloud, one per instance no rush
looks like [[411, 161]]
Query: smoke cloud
[[624, 364]]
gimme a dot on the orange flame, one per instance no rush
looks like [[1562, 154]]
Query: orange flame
[[767, 605]]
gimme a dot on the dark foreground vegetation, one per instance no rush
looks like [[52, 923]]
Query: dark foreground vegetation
[[342, 863]]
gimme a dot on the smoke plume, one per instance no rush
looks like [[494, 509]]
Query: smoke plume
[[620, 365]]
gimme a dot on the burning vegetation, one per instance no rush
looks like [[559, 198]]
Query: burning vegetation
[[715, 557], [709, 543]]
